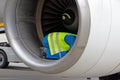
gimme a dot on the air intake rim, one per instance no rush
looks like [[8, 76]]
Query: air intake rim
[[47, 66]]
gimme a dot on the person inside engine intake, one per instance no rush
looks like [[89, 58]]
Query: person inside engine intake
[[57, 44]]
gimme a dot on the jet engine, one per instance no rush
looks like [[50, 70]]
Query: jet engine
[[96, 51]]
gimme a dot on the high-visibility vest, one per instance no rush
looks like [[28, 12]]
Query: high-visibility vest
[[57, 42]]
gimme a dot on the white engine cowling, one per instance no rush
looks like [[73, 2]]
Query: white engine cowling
[[96, 51]]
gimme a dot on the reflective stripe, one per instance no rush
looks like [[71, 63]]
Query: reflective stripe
[[59, 48], [55, 47], [54, 43], [51, 43]]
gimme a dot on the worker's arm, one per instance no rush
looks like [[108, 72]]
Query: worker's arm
[[45, 42], [70, 40]]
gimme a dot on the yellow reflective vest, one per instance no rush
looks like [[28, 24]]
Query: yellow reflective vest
[[57, 42]]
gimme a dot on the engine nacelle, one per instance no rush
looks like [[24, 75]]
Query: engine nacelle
[[96, 23]]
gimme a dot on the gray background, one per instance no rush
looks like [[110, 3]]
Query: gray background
[[2, 7]]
